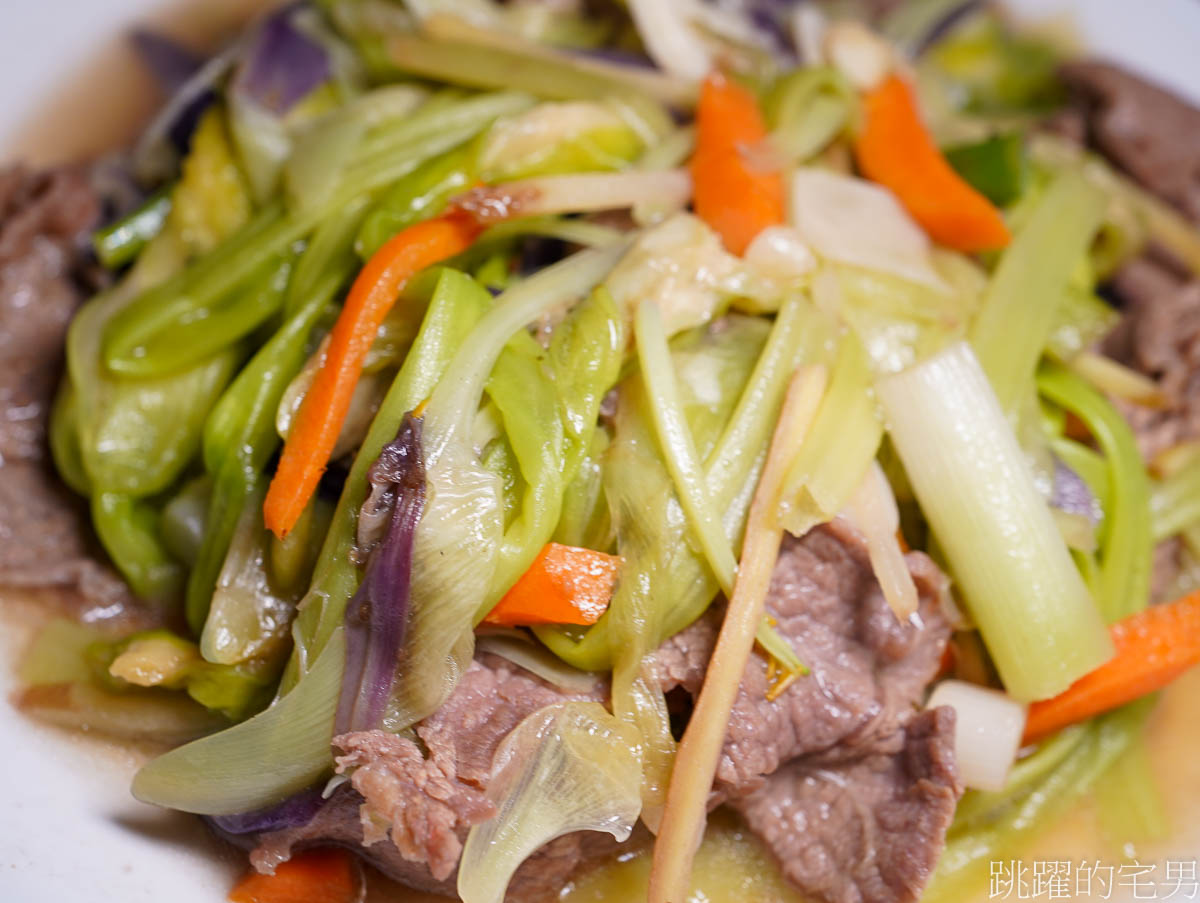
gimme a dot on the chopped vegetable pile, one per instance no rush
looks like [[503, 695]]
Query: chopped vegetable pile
[[441, 329]]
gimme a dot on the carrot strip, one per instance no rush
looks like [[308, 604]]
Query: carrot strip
[[1154, 647], [564, 585], [321, 415], [315, 876], [732, 192], [896, 150]]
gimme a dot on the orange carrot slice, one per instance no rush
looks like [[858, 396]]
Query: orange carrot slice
[[564, 585], [315, 876], [732, 191], [321, 415], [1154, 647], [896, 150]]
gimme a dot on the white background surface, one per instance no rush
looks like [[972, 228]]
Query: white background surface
[[69, 830]]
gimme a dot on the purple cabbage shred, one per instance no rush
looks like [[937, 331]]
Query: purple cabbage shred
[[282, 65], [377, 615]]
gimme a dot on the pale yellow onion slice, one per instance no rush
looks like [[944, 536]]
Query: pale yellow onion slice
[[850, 220], [872, 510], [664, 191], [525, 652], [568, 767], [987, 731]]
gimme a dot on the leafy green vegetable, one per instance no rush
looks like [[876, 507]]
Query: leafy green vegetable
[[223, 774], [160, 346], [1175, 501], [129, 531], [588, 757], [184, 519], [248, 616], [731, 428], [1126, 539], [460, 557], [240, 437], [997, 167], [549, 412], [419, 195], [580, 136], [1012, 328], [119, 243], [585, 518], [807, 109], [450, 314], [839, 446], [996, 70]]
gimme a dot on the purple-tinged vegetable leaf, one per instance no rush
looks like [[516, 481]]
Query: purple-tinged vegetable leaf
[[1072, 495], [295, 811], [282, 65], [377, 615]]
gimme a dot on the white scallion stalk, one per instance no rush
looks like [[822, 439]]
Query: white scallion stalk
[[974, 486], [696, 762], [987, 731], [567, 767], [872, 510]]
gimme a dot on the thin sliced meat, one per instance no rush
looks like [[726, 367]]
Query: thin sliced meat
[[1147, 131], [868, 670], [863, 830], [868, 674], [1160, 337], [45, 541]]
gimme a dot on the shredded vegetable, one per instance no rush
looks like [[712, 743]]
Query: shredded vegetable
[[440, 333]]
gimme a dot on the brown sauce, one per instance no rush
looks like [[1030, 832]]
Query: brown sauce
[[114, 116]]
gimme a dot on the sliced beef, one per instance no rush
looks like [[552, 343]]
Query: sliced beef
[[847, 717], [1160, 336], [1147, 131], [866, 829], [427, 793], [868, 671], [44, 538]]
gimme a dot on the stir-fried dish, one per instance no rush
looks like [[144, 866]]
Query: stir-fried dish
[[490, 438]]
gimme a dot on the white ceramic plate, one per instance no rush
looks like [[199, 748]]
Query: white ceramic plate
[[69, 829]]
